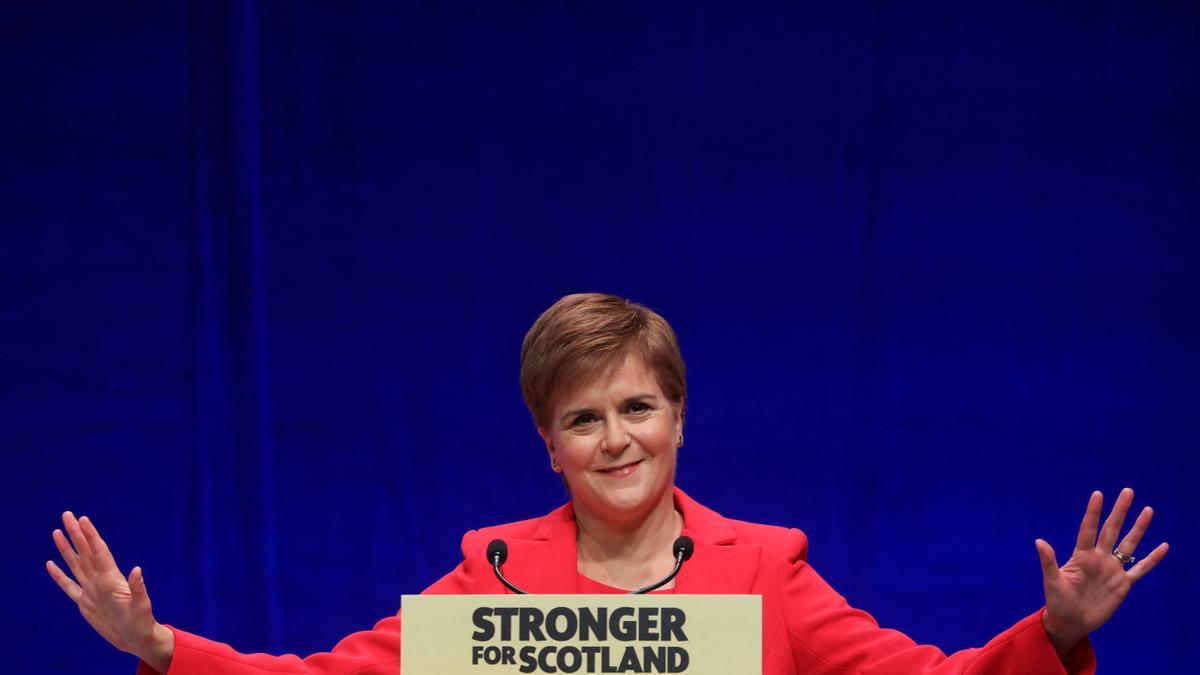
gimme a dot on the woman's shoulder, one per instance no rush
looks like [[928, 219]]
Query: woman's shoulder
[[777, 541], [521, 529], [762, 533], [558, 522], [783, 541]]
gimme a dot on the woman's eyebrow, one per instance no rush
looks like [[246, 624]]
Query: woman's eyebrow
[[576, 411]]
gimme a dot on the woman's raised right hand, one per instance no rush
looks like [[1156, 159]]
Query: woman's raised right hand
[[116, 606]]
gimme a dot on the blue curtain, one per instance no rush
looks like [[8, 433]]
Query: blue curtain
[[267, 267]]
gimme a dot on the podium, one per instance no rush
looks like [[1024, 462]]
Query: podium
[[508, 634]]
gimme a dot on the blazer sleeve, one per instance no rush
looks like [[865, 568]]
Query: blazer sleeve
[[368, 652], [827, 635]]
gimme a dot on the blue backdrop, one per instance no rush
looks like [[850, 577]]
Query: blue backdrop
[[266, 269]]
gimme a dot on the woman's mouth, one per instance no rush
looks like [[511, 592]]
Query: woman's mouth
[[622, 470]]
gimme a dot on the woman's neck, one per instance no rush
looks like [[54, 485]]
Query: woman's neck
[[628, 554]]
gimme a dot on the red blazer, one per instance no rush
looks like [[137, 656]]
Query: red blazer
[[807, 627]]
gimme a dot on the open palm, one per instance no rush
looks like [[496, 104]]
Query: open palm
[[116, 606], [1083, 594]]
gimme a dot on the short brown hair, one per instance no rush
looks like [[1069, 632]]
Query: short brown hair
[[584, 334]]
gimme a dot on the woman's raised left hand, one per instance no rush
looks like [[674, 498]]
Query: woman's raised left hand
[[1084, 593]]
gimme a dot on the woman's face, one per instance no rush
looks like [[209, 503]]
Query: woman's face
[[615, 439]]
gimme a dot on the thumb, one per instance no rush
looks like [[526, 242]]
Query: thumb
[[1047, 558], [140, 600]]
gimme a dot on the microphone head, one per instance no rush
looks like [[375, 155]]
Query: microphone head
[[499, 548], [685, 546]]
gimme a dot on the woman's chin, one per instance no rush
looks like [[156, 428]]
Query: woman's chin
[[627, 502]]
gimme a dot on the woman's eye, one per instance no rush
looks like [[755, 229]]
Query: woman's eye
[[638, 406], [586, 418]]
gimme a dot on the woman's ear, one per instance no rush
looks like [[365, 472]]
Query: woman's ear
[[677, 410], [549, 449]]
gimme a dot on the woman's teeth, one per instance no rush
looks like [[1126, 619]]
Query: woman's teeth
[[623, 470]]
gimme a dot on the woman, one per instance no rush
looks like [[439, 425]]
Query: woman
[[604, 380]]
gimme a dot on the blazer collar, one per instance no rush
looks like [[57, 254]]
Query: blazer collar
[[719, 563]]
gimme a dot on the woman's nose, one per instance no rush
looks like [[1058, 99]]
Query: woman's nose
[[616, 439]]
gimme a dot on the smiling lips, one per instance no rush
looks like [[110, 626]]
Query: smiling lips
[[621, 471]]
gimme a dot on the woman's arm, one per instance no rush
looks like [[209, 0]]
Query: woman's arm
[[119, 609], [828, 635], [375, 651]]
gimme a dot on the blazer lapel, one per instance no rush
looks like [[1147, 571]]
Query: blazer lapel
[[547, 562], [719, 565]]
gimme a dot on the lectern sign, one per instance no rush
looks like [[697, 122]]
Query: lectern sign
[[505, 634]]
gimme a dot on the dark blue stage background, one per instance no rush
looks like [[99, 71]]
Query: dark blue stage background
[[266, 269]]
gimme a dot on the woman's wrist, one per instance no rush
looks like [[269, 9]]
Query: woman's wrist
[[159, 650], [1060, 636]]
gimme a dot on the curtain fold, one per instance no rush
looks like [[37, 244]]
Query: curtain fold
[[233, 507]]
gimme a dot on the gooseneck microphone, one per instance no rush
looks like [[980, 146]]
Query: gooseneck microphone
[[497, 553], [683, 548]]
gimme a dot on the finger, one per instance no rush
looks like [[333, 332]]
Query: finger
[[102, 558], [1116, 518], [71, 525], [1091, 519], [1048, 559], [140, 602], [64, 582], [1143, 567], [1130, 543], [68, 554]]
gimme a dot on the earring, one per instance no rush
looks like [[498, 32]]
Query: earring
[[681, 439], [554, 466]]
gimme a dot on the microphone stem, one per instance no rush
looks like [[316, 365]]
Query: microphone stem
[[500, 576], [664, 580]]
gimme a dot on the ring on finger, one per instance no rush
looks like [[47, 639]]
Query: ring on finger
[[1125, 558]]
